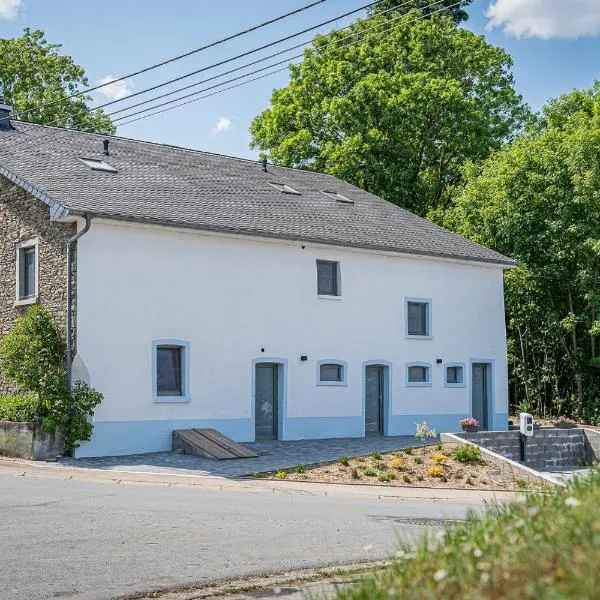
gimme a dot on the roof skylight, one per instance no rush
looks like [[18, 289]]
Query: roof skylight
[[98, 165], [285, 189], [337, 197]]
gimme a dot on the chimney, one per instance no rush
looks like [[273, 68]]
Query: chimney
[[4, 115], [106, 152]]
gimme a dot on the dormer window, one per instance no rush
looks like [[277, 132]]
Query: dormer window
[[284, 189], [337, 197], [98, 165]]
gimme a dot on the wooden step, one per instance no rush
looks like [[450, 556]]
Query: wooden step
[[209, 443]]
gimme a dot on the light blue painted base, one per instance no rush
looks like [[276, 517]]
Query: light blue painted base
[[319, 428], [119, 438], [501, 422]]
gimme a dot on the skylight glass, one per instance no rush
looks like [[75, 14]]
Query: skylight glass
[[285, 189], [98, 165], [337, 197]]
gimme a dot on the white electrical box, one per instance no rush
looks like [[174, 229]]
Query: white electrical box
[[526, 424]]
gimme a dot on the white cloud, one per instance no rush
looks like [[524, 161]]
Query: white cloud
[[9, 9], [223, 125], [117, 90], [545, 18]]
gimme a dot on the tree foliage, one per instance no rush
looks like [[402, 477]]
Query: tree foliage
[[538, 200], [32, 357], [396, 114], [446, 7], [33, 73]]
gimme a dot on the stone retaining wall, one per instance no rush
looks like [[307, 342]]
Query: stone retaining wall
[[547, 448], [29, 440]]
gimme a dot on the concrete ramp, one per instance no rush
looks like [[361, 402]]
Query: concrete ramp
[[209, 443]]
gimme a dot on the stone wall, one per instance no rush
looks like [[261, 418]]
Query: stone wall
[[28, 440], [547, 448], [23, 217]]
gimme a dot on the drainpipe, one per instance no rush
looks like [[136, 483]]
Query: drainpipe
[[70, 245]]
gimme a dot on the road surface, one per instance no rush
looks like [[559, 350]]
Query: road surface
[[99, 540]]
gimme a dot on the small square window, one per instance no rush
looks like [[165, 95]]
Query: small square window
[[418, 374], [331, 372], [171, 376], [418, 319], [328, 278], [455, 375], [27, 272]]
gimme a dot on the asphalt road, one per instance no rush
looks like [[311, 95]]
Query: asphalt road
[[89, 540]]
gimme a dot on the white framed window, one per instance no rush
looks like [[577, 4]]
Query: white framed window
[[418, 374], [417, 313], [27, 269], [454, 374], [329, 278], [332, 372], [171, 371]]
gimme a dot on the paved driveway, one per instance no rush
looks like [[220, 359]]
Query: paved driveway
[[272, 456]]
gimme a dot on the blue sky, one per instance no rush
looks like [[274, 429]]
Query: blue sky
[[555, 46]]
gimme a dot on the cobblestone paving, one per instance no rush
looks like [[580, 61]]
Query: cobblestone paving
[[272, 456]]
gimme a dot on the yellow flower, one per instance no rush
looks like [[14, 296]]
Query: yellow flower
[[397, 463], [439, 458], [435, 471]]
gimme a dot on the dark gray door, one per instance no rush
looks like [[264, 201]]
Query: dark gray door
[[266, 399], [480, 392], [374, 396]]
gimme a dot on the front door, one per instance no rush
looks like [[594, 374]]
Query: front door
[[480, 392], [266, 401], [374, 393]]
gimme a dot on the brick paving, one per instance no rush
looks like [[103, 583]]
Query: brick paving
[[273, 455]]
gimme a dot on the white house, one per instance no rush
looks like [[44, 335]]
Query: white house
[[262, 301]]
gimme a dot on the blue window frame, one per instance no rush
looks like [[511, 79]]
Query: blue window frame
[[171, 370]]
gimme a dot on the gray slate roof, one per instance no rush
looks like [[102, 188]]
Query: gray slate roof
[[175, 186]]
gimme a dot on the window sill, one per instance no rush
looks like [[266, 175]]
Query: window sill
[[332, 383], [418, 384], [325, 297], [26, 301], [454, 385], [171, 399], [419, 337]]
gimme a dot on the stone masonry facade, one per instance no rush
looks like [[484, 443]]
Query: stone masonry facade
[[23, 217], [547, 448]]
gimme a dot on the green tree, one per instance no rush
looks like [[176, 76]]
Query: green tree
[[33, 73], [538, 200], [397, 114], [449, 7]]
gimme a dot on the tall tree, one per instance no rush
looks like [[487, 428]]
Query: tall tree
[[428, 7], [397, 113], [33, 73], [537, 200]]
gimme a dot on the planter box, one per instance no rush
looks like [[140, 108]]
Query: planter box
[[28, 440], [470, 429], [565, 426]]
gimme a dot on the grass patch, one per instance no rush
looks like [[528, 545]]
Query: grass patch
[[369, 472], [376, 456], [344, 460], [387, 476], [547, 547], [409, 450], [465, 453], [299, 469]]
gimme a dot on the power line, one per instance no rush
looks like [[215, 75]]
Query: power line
[[180, 56], [127, 122], [240, 68]]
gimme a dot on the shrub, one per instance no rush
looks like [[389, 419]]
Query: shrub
[[257, 475], [355, 473], [387, 476], [370, 472], [408, 450], [439, 458], [19, 407], [424, 432], [397, 463], [418, 460], [406, 478], [299, 469], [435, 471], [344, 461], [281, 474], [376, 456], [467, 453], [379, 465], [439, 447]]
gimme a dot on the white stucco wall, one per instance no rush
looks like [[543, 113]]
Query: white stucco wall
[[230, 297]]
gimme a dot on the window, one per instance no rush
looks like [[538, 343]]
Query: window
[[285, 189], [337, 197], [454, 375], [418, 375], [331, 372], [171, 371], [27, 272], [98, 165], [328, 278], [418, 318]]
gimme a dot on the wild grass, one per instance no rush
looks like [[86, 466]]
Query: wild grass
[[546, 547], [466, 453]]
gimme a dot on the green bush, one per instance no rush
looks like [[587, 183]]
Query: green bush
[[387, 476], [546, 547], [299, 469], [466, 453], [18, 407], [344, 461], [368, 472]]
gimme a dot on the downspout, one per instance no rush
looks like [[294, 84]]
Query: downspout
[[70, 245]]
